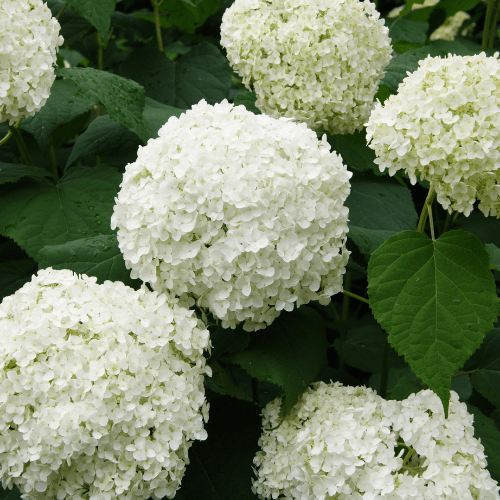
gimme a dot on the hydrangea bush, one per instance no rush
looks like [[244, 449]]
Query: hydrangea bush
[[101, 389], [29, 40], [318, 62], [443, 126], [243, 214], [231, 204]]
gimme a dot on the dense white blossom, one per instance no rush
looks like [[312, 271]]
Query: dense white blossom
[[243, 213], [319, 62], [29, 40], [448, 30], [444, 125], [347, 443], [101, 389]]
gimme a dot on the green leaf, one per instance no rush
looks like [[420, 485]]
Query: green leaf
[[408, 30], [223, 383], [396, 71], [487, 229], [379, 207], [459, 46], [220, 468], [123, 99], [354, 151], [12, 172], [35, 214], [435, 299], [14, 274], [382, 94], [97, 12], [247, 99], [108, 139], [486, 430], [487, 379], [394, 375], [404, 387], [189, 14], [13, 494], [289, 353], [494, 253], [202, 73], [363, 349], [73, 26], [451, 7], [62, 107], [98, 256], [462, 386]]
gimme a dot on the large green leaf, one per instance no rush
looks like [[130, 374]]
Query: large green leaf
[[97, 256], [486, 430], [14, 274], [363, 348], [247, 99], [408, 30], [112, 142], [189, 14], [379, 207], [435, 299], [73, 26], [123, 99], [96, 12], [202, 73], [220, 468], [354, 151], [36, 213], [13, 494], [12, 172], [62, 107], [289, 353], [487, 379], [487, 229]]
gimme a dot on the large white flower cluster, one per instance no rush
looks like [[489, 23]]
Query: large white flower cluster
[[29, 40], [341, 442], [101, 389], [319, 62], [243, 213], [444, 125]]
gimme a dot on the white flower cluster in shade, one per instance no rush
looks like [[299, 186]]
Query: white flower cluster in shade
[[101, 389], [243, 213], [29, 40], [448, 30], [319, 62], [341, 442], [444, 125]]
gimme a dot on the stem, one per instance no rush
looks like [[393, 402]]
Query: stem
[[461, 374], [100, 46], [345, 304], [6, 138], [490, 24], [431, 223], [494, 25], [450, 219], [59, 14], [425, 210], [385, 369], [52, 160], [354, 296], [408, 456], [155, 5], [23, 149]]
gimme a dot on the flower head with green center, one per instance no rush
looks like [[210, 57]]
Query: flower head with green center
[[319, 62], [444, 125], [29, 40], [101, 389]]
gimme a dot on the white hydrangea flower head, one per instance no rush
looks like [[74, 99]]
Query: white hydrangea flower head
[[242, 213], [444, 125], [101, 389], [29, 41], [336, 442], [319, 62], [448, 30], [448, 462]]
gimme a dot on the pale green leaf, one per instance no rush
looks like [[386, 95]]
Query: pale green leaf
[[96, 12]]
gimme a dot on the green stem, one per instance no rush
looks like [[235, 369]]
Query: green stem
[[23, 149], [490, 24], [425, 210], [155, 5], [6, 138], [345, 304], [408, 456], [384, 379], [354, 296], [100, 47], [450, 219], [491, 38], [59, 14], [53, 161], [461, 374]]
